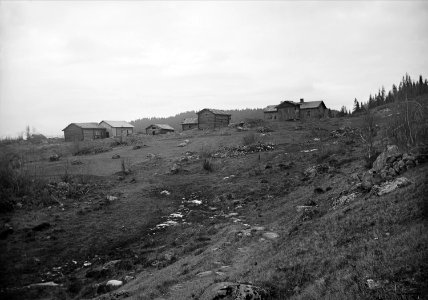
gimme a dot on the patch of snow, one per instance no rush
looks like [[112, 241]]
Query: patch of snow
[[317, 139], [87, 264], [309, 150], [114, 282], [49, 283], [111, 198], [197, 202], [176, 215], [165, 192]]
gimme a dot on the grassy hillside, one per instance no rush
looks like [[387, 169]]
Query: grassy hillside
[[286, 215]]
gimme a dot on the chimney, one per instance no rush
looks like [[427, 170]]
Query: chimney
[[302, 100]]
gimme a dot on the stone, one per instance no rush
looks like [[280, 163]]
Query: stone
[[76, 162], [373, 284], [42, 226], [381, 160], [115, 156], [136, 147], [391, 186], [234, 291], [114, 283], [175, 169], [54, 157], [111, 198], [344, 200], [271, 235], [367, 181], [205, 274]]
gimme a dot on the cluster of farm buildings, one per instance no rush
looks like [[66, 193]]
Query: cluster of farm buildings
[[206, 119]]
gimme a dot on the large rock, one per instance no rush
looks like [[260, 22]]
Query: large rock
[[234, 291], [343, 200], [388, 187], [388, 156]]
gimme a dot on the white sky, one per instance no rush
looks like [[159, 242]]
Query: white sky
[[69, 61]]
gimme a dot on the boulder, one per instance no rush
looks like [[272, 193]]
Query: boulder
[[388, 187], [270, 235], [175, 169], [382, 160], [344, 200], [234, 291], [115, 156], [54, 157]]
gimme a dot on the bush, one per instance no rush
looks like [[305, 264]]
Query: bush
[[249, 139], [368, 132], [208, 165], [16, 181], [408, 126]]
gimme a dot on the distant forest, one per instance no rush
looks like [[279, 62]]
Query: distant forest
[[407, 89], [175, 121]]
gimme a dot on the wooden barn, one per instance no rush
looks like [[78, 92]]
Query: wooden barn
[[83, 131], [312, 109], [155, 129], [213, 118], [189, 123], [117, 128]]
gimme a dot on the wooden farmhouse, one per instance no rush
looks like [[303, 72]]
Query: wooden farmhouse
[[117, 128], [189, 123], [312, 109], [83, 131], [155, 129], [213, 118], [289, 110]]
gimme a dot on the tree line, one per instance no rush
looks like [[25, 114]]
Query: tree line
[[407, 89]]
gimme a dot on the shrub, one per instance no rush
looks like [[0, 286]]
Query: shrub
[[249, 139], [368, 133], [408, 126], [208, 165]]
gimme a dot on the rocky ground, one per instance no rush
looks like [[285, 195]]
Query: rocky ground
[[296, 214]]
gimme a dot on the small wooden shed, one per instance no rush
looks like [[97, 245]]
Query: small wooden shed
[[83, 131], [189, 123], [117, 128], [155, 129], [213, 118]]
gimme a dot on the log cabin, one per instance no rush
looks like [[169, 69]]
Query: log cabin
[[83, 131], [213, 118]]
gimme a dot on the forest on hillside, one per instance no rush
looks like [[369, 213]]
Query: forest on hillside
[[407, 89], [175, 121]]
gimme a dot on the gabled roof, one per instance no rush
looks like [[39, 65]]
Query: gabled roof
[[287, 103], [161, 126], [190, 121], [270, 108], [215, 111], [91, 125], [118, 123], [311, 104]]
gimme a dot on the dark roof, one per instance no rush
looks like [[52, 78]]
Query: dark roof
[[190, 121], [215, 111], [287, 103], [311, 104], [118, 123], [270, 108], [161, 126], [91, 125]]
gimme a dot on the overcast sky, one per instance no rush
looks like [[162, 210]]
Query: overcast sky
[[69, 61]]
